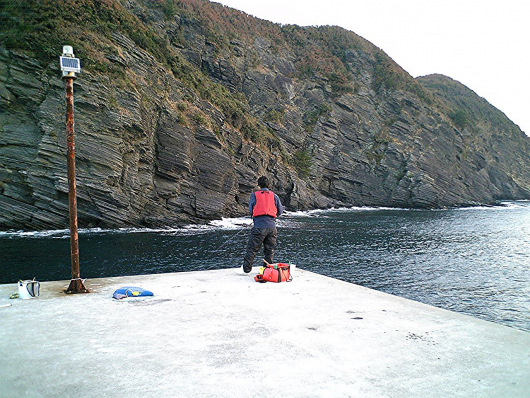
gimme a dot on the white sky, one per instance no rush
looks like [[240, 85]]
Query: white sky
[[484, 44]]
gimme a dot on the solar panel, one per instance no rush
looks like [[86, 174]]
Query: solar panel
[[70, 64]]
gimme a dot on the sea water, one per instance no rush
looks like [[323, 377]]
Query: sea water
[[471, 260]]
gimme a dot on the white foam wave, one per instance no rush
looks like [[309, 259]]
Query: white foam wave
[[320, 212], [215, 225], [239, 222], [516, 205], [223, 224], [231, 223], [505, 205], [56, 233]]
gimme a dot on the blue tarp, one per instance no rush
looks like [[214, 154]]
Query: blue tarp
[[131, 292]]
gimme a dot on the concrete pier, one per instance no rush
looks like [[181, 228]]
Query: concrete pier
[[220, 334]]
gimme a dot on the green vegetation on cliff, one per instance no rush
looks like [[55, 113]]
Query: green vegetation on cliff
[[41, 27], [467, 109]]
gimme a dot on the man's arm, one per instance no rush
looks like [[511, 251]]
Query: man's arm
[[278, 204], [252, 203]]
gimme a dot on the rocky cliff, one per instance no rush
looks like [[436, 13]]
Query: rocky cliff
[[183, 104]]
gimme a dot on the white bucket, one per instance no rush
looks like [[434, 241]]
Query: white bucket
[[28, 289]]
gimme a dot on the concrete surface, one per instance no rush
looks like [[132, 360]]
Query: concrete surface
[[219, 334]]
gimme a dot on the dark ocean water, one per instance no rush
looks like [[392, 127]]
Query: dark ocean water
[[474, 260]]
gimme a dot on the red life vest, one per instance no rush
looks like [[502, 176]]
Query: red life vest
[[265, 205]]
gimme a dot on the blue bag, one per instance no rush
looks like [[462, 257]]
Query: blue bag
[[131, 292]]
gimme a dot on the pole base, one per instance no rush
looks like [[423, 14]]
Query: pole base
[[76, 286]]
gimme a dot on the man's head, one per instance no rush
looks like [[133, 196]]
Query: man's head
[[263, 182]]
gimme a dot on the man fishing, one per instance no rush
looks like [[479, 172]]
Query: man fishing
[[264, 207]]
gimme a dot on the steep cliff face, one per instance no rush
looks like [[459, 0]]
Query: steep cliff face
[[492, 145], [182, 105], [137, 164]]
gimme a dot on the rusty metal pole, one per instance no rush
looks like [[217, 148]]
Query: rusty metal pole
[[76, 283]]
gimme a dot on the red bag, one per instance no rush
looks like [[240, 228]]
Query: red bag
[[279, 272]]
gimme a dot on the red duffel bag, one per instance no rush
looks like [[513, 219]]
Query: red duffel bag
[[279, 272]]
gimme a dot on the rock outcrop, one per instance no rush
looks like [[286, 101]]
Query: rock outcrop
[[182, 139]]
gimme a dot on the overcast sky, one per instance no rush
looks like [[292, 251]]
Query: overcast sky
[[484, 44]]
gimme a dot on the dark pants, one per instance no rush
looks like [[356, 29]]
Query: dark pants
[[259, 236]]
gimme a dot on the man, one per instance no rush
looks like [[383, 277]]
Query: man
[[264, 207]]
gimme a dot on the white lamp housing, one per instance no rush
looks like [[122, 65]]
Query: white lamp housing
[[69, 64]]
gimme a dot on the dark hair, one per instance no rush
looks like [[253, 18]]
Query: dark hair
[[263, 182]]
